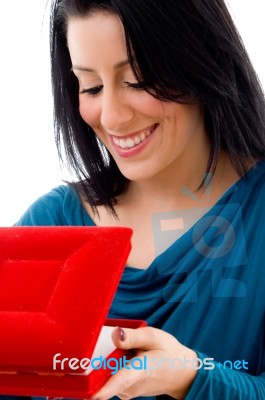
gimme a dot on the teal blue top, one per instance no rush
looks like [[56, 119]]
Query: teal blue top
[[207, 288]]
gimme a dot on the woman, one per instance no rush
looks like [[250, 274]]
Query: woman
[[160, 116]]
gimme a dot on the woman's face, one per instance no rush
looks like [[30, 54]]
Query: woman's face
[[144, 135]]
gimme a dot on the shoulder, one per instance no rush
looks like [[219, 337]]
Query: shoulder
[[61, 206], [250, 197]]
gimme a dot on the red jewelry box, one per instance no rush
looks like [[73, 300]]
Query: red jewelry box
[[56, 288]]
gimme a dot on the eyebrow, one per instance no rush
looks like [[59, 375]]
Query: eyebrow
[[116, 66]]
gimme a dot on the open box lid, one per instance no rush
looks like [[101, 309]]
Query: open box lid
[[56, 288]]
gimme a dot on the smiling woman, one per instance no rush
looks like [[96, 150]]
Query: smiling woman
[[32, 143], [164, 130]]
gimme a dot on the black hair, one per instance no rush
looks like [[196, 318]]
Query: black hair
[[182, 51]]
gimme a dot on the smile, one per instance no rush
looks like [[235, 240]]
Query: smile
[[135, 140]]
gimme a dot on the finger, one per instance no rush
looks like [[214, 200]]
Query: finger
[[146, 338], [136, 390], [121, 382]]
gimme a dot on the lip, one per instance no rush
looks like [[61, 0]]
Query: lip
[[130, 152], [133, 134]]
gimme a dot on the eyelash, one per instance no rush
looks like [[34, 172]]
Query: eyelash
[[94, 91]]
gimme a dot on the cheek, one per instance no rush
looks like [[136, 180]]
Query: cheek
[[90, 112], [151, 106], [187, 117]]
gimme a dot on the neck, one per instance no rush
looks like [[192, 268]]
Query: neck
[[172, 185], [178, 188]]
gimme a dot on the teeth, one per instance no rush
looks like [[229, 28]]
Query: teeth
[[142, 136], [131, 142], [116, 141], [137, 140], [122, 143], [148, 132]]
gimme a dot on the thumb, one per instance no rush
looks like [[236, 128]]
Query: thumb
[[146, 338]]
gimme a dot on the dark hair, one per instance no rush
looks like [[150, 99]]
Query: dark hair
[[182, 51]]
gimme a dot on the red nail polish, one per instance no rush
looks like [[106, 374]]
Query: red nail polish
[[121, 334]]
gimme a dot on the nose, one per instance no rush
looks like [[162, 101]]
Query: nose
[[116, 110]]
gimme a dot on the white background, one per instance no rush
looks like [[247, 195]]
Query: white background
[[28, 158]]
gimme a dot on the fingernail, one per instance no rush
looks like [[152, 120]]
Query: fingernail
[[122, 335]]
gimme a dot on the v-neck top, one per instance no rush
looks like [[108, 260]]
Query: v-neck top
[[207, 288]]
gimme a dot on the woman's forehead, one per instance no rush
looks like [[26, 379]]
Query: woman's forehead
[[90, 38]]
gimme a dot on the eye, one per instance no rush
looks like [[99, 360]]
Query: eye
[[136, 85], [92, 91]]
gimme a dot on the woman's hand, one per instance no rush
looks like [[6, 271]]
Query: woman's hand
[[162, 375]]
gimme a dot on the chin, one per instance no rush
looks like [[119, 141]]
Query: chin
[[136, 176]]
